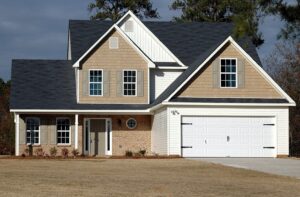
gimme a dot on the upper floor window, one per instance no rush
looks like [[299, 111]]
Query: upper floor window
[[228, 73], [129, 82], [33, 131], [95, 80], [113, 42], [63, 131]]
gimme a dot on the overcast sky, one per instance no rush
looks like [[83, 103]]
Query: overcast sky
[[35, 29]]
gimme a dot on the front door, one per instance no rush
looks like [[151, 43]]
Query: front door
[[97, 137]]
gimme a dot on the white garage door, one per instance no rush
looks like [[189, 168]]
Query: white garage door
[[228, 137]]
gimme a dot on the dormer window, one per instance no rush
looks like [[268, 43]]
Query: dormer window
[[113, 42], [228, 73], [95, 82]]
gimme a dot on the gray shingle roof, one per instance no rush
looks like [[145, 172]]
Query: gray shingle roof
[[50, 84], [229, 100]]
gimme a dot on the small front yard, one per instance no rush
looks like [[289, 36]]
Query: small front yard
[[136, 177]]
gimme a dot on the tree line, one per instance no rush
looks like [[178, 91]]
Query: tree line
[[283, 64]]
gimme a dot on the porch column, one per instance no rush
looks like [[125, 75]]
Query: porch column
[[17, 130], [76, 131]]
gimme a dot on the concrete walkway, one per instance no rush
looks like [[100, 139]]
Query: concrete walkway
[[285, 167]]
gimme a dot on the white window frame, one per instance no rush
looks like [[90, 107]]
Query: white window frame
[[39, 131], [70, 132], [111, 40], [236, 71], [96, 82], [136, 78]]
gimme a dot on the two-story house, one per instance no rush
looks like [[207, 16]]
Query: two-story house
[[185, 89]]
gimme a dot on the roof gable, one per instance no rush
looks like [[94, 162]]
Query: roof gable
[[187, 75]]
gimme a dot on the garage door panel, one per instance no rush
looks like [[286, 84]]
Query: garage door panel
[[229, 137]]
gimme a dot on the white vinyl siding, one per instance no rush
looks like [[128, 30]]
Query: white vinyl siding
[[147, 44], [281, 121], [160, 79], [159, 135]]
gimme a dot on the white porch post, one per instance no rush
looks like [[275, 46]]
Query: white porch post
[[76, 131], [17, 130]]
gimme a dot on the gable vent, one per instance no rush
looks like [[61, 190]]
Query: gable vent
[[113, 42], [129, 26]]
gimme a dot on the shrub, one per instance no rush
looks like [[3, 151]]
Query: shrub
[[23, 155], [65, 152], [53, 151], [128, 153], [39, 152], [75, 152], [26, 152], [143, 152]]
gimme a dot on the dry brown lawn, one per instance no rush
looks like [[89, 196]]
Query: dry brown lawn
[[131, 177]]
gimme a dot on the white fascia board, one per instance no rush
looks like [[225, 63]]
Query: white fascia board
[[231, 40], [171, 67], [151, 34], [147, 111], [125, 37], [229, 104]]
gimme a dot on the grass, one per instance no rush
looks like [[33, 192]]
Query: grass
[[136, 177]]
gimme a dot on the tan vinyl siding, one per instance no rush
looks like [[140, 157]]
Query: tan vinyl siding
[[114, 61], [256, 86]]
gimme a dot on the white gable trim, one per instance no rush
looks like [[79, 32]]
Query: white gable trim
[[150, 63], [151, 35], [264, 74]]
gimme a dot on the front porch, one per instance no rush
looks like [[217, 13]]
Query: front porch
[[91, 135]]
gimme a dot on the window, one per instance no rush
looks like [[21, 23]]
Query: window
[[113, 42], [32, 131], [129, 83], [129, 26], [228, 73], [131, 123], [95, 82], [63, 131]]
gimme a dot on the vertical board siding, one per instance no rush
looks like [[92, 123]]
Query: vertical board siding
[[281, 115], [148, 45], [159, 135], [160, 79]]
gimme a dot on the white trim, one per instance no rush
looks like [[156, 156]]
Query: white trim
[[76, 131], [123, 82], [132, 44], [37, 118], [151, 35], [77, 85], [150, 63], [230, 104], [171, 67], [146, 111], [17, 133], [70, 132], [95, 69], [230, 39], [236, 72]]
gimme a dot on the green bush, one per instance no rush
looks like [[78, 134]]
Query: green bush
[[53, 151], [128, 153], [65, 152]]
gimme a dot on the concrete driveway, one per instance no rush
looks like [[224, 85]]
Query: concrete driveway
[[285, 167]]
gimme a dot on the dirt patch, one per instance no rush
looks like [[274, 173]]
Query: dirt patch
[[136, 177]]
